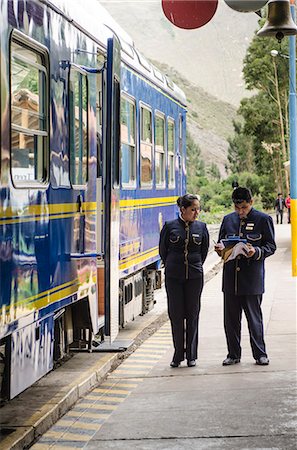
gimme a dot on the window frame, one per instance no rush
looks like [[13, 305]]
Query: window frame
[[33, 46], [132, 184], [180, 131], [144, 106], [171, 154], [143, 61], [77, 69], [160, 115]]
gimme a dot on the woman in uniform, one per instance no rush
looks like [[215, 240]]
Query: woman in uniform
[[183, 249]]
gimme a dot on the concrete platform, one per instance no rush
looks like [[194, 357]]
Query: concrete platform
[[144, 404]]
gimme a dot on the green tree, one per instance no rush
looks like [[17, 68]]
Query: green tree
[[195, 166], [240, 151], [270, 76], [214, 171]]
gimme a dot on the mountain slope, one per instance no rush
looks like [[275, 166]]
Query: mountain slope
[[209, 120]]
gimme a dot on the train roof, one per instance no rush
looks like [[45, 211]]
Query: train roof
[[96, 22]]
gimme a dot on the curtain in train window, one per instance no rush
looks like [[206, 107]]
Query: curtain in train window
[[78, 131], [29, 115], [128, 149], [171, 153], [160, 151], [146, 147]]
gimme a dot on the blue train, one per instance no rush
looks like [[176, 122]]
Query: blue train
[[92, 162]]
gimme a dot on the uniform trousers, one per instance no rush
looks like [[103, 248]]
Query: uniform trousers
[[183, 309], [280, 214], [251, 305]]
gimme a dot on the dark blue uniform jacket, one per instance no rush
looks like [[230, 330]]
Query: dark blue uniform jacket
[[245, 276], [183, 248]]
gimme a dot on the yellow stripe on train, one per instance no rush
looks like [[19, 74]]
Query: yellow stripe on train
[[133, 260], [69, 210]]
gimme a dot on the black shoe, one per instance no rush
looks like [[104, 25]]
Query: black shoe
[[191, 363], [174, 364], [230, 361], [262, 361]]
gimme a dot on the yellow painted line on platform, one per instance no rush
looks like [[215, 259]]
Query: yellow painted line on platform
[[88, 414], [158, 348], [65, 423], [149, 350], [129, 372], [106, 398], [86, 426], [113, 391], [42, 447], [122, 385], [162, 339], [93, 406], [75, 437], [53, 435], [144, 363], [152, 358], [66, 447]]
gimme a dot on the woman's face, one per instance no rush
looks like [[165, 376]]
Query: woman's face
[[190, 213]]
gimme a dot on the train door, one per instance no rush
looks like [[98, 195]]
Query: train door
[[111, 191], [100, 88], [78, 141]]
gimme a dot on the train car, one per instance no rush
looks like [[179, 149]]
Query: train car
[[92, 162]]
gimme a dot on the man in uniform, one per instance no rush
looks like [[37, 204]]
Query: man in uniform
[[243, 277]]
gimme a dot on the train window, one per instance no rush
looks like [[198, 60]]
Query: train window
[[29, 112], [160, 150], [158, 74], [171, 153], [146, 147], [127, 48], [116, 132], [143, 61], [180, 134], [169, 83], [78, 126], [128, 142]]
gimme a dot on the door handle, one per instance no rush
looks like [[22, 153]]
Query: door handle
[[79, 203]]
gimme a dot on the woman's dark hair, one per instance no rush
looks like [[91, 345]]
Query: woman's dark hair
[[186, 200], [241, 194]]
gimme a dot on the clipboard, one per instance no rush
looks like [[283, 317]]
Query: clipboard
[[233, 240]]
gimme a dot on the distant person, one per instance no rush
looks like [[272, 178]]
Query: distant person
[[183, 249], [235, 184], [279, 206], [288, 206], [243, 277]]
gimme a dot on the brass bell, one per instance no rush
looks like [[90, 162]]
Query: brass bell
[[279, 22]]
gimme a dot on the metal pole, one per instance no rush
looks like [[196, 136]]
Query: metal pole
[[293, 142]]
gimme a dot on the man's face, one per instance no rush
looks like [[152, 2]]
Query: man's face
[[243, 208]]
